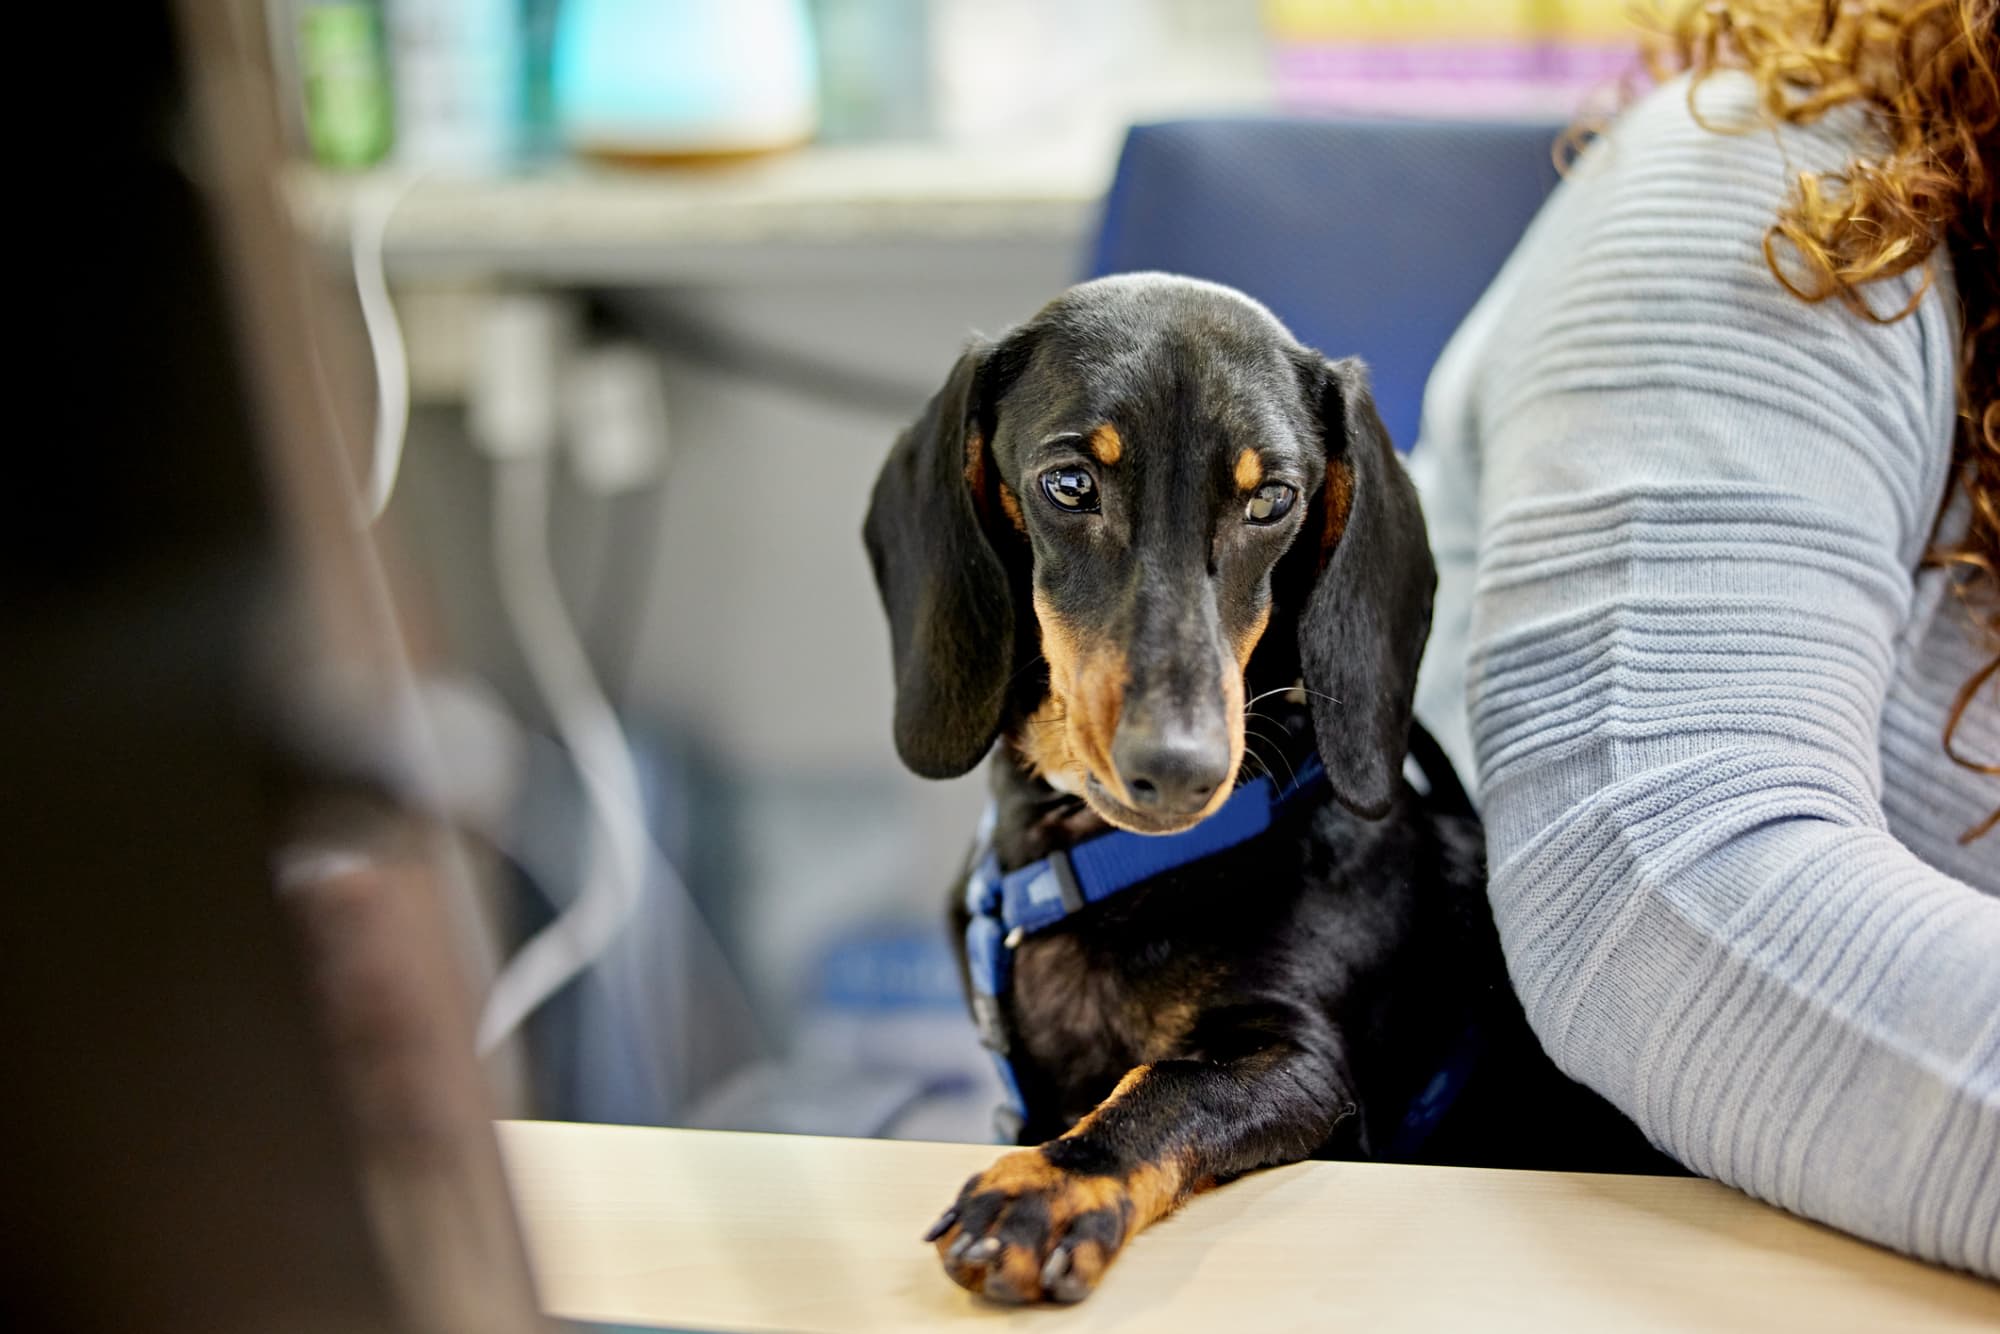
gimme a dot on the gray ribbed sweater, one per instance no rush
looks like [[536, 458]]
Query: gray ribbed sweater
[[1684, 643]]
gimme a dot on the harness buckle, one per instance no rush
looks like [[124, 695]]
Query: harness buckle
[[1066, 884], [986, 1020]]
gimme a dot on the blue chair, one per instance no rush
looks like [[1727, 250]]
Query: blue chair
[[1367, 237]]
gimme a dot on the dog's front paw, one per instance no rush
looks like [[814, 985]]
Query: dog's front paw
[[1026, 1230]]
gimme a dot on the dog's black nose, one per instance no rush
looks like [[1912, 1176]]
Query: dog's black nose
[[1170, 772]]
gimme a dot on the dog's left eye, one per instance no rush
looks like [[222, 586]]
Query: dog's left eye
[[1272, 502], [1073, 489]]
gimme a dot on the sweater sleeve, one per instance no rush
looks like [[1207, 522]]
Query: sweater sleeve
[[1703, 502]]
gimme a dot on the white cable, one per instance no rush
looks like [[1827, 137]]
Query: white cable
[[618, 865], [374, 205]]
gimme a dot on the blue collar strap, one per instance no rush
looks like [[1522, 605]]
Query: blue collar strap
[[1007, 908]]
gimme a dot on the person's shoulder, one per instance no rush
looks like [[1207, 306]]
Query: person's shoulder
[[1681, 195], [1646, 305], [1717, 129]]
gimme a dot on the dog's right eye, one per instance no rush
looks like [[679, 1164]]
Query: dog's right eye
[[1071, 488], [1272, 502]]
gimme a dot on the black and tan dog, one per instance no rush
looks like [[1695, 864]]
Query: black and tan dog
[[1159, 550]]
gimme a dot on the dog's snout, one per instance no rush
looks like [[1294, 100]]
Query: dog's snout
[[1169, 772]]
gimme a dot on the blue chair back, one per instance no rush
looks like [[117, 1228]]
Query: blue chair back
[[1367, 237]]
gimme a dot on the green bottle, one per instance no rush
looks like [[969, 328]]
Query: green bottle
[[345, 78]]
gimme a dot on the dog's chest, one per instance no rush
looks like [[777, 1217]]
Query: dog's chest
[[1090, 1004]]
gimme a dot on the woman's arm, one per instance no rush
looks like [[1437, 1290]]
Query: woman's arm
[[1703, 501]]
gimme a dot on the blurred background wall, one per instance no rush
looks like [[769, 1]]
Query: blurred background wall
[[744, 241]]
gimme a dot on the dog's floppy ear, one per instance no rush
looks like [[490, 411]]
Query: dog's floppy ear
[[1365, 620], [945, 589]]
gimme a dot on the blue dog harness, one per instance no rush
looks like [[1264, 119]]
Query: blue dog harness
[[1006, 909]]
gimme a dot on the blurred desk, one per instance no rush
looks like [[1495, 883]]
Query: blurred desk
[[750, 1232]]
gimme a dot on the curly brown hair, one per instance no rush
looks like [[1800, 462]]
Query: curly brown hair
[[1930, 70]]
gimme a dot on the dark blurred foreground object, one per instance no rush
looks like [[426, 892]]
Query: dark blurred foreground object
[[1367, 236], [240, 1089]]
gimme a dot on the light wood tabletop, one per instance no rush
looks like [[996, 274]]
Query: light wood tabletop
[[708, 1231]]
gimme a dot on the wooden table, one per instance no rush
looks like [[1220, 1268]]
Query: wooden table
[[714, 1231]]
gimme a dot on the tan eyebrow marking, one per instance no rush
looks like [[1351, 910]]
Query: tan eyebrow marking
[[1105, 444], [1249, 470]]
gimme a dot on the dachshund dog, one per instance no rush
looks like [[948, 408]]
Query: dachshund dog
[[1167, 558]]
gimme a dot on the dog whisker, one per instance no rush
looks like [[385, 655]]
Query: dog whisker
[[1278, 748], [1286, 690], [1000, 693], [1035, 661]]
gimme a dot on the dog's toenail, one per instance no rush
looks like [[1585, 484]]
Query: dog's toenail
[[1069, 1289], [999, 1288], [942, 1226]]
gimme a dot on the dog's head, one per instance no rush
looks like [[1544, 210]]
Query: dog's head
[[1123, 520]]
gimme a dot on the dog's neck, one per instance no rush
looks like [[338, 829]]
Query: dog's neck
[[1033, 818]]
